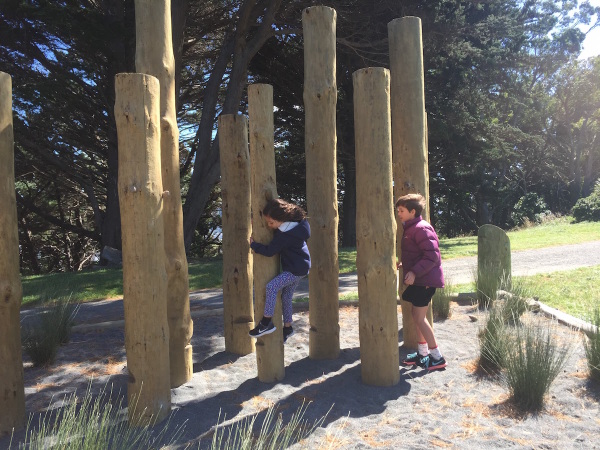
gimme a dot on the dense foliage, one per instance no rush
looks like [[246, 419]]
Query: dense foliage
[[513, 116]]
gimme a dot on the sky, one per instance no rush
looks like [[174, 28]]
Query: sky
[[591, 45]]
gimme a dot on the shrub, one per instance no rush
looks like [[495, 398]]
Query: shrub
[[272, 435], [514, 303], [41, 341], [92, 423], [531, 208], [440, 302], [588, 208], [592, 347], [489, 282], [493, 342], [532, 362]]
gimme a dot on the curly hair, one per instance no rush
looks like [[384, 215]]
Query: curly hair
[[283, 211]]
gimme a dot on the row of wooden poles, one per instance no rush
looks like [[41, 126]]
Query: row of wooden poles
[[158, 325]]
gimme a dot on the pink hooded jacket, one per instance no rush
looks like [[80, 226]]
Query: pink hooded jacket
[[421, 253]]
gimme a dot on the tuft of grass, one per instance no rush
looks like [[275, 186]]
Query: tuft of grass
[[592, 346], [42, 339], [489, 280], [93, 423], [513, 303], [440, 302], [493, 342], [273, 433], [533, 361]]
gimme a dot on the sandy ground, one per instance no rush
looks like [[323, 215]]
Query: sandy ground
[[450, 408]]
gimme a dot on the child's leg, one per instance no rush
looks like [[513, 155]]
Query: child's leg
[[286, 299], [423, 328], [277, 284]]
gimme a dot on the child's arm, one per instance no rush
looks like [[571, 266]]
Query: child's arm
[[273, 248]]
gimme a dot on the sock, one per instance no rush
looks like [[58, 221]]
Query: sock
[[265, 321], [435, 352], [422, 348]]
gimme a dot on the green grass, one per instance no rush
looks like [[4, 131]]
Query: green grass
[[106, 283]]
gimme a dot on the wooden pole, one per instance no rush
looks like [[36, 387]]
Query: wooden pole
[[375, 229], [12, 393], [144, 276], [320, 98], [237, 259], [409, 133], [154, 56], [269, 349]]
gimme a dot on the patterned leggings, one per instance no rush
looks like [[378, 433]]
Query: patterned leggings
[[285, 282]]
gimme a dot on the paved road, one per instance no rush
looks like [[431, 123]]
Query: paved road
[[457, 271]]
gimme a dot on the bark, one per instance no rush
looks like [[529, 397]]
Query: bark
[[12, 393], [376, 229], [154, 56], [409, 133], [137, 110], [237, 259], [269, 349], [320, 98]]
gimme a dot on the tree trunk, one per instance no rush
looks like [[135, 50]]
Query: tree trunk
[[237, 259], [269, 349], [137, 112], [320, 97], [409, 133], [12, 393], [154, 56], [375, 229]]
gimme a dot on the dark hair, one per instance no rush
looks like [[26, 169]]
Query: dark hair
[[412, 201], [283, 211]]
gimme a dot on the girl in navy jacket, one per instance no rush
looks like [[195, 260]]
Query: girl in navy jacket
[[289, 241]]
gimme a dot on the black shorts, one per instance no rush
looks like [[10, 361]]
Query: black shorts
[[418, 295]]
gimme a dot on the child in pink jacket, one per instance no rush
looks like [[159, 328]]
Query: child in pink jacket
[[422, 269]]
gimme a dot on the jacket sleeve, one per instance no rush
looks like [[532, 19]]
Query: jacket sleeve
[[273, 248], [429, 247]]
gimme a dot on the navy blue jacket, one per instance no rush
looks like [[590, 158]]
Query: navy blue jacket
[[292, 248]]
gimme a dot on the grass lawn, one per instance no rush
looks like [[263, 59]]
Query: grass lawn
[[207, 273]]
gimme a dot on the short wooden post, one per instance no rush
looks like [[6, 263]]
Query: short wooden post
[[237, 260], [154, 56], [137, 114], [409, 133], [375, 229], [12, 394], [493, 262], [320, 98], [269, 349]]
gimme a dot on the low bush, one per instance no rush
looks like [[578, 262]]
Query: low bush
[[493, 342], [592, 347], [588, 208], [42, 339], [532, 362], [440, 302]]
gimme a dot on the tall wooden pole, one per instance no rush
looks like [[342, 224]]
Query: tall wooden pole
[[137, 114], [409, 133], [154, 56], [12, 394], [237, 260], [375, 229], [269, 349], [320, 98]]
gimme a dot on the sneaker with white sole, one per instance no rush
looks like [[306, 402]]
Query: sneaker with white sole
[[261, 329]]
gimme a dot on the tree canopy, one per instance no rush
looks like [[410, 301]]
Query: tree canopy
[[513, 115]]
